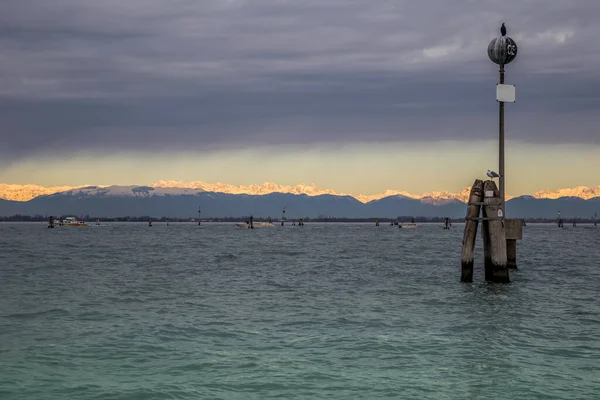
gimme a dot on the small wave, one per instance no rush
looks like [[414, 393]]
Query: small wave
[[197, 367], [125, 300], [303, 339], [225, 257], [292, 253], [93, 316], [54, 312], [279, 285]]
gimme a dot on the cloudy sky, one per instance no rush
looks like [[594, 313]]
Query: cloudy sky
[[353, 95]]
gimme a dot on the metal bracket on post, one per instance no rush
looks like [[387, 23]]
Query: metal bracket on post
[[484, 203], [484, 218]]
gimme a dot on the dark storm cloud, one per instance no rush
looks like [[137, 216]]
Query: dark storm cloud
[[203, 74]]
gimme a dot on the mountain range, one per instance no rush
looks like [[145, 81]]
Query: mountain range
[[28, 192], [179, 199]]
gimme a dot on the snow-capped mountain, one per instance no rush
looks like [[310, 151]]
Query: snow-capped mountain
[[174, 188], [28, 192], [583, 192], [265, 188], [370, 197], [137, 191]]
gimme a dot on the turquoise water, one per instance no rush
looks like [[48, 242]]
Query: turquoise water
[[332, 311]]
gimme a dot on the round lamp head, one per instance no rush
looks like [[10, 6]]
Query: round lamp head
[[502, 50]]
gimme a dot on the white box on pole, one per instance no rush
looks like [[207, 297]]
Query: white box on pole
[[505, 93]]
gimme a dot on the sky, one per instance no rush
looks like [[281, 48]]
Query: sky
[[358, 96]]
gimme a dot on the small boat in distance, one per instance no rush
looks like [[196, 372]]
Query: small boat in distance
[[412, 225], [407, 226], [250, 223], [246, 225], [70, 221]]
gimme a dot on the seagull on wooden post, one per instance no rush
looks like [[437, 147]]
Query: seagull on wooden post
[[492, 174]]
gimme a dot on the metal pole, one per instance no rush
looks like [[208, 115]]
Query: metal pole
[[501, 147]]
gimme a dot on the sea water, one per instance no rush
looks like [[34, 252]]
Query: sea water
[[323, 311]]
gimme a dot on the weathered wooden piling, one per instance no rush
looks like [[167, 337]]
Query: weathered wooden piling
[[472, 219], [150, 222], [511, 253], [559, 220], [376, 222], [496, 270], [251, 222], [514, 232], [485, 237], [51, 222]]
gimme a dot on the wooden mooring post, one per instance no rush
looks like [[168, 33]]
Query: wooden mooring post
[[487, 257], [468, 244], [447, 223], [559, 221], [499, 234], [514, 232], [496, 269]]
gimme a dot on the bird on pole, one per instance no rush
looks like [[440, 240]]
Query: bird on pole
[[503, 29], [492, 174]]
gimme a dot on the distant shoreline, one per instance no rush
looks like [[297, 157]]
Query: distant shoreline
[[403, 219]]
